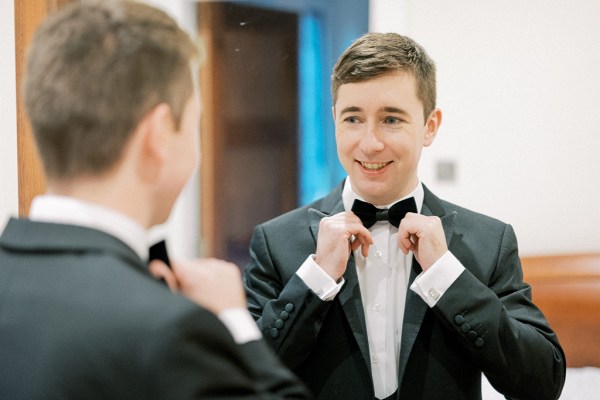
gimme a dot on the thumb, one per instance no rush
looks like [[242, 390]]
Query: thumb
[[160, 270]]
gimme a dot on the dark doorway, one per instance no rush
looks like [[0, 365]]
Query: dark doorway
[[250, 123]]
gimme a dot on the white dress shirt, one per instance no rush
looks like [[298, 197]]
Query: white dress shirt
[[383, 279], [71, 211]]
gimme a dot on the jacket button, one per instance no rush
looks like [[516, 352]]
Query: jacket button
[[274, 332], [459, 319], [472, 335], [289, 307], [278, 323], [284, 315], [479, 342], [465, 327]]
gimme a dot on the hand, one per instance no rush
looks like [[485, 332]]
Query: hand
[[338, 235], [424, 236], [212, 283]]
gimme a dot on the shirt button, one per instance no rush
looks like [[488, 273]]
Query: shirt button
[[377, 307], [375, 359], [378, 253]]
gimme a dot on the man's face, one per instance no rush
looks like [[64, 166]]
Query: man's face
[[380, 131]]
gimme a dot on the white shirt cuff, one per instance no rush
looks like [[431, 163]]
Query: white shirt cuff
[[433, 283], [318, 281], [240, 324]]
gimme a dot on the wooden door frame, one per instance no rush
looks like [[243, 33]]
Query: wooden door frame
[[212, 144], [31, 181]]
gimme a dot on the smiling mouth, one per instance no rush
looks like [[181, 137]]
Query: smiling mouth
[[374, 166]]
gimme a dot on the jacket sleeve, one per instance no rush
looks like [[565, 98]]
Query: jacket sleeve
[[200, 360], [287, 311], [502, 330]]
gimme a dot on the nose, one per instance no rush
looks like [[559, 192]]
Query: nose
[[371, 142]]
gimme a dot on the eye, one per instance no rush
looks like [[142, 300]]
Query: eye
[[352, 120], [390, 120]]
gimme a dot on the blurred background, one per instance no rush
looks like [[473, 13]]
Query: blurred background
[[518, 85]]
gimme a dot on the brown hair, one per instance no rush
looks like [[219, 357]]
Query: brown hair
[[94, 69], [375, 54]]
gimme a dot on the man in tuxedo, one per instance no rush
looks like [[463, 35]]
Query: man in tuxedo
[[381, 290], [111, 94]]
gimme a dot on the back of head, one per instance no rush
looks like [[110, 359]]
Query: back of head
[[375, 54], [94, 69]]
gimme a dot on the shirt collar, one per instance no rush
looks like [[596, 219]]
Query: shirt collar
[[68, 210], [349, 195]]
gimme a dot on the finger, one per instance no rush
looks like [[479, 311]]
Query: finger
[[364, 250], [364, 246], [362, 237], [406, 241], [405, 245], [160, 270], [363, 234], [411, 225]]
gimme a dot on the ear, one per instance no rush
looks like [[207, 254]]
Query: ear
[[431, 127], [333, 112], [155, 129], [160, 124]]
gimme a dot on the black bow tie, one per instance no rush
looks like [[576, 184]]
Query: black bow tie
[[369, 214], [158, 251]]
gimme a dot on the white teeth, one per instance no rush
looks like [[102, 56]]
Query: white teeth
[[373, 166]]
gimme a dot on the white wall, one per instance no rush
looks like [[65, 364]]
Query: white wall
[[9, 201], [520, 89], [519, 85]]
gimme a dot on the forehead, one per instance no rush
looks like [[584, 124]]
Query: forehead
[[397, 88]]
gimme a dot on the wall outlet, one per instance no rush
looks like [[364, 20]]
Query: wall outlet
[[446, 171]]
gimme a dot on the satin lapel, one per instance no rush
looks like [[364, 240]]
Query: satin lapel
[[432, 205], [415, 306], [349, 297], [329, 205], [351, 301], [332, 204]]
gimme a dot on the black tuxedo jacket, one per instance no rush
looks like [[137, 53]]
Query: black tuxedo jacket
[[81, 318], [485, 322]]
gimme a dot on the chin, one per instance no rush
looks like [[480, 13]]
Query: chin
[[376, 194]]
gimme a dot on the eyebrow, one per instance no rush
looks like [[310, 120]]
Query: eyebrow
[[388, 109], [395, 110], [350, 109]]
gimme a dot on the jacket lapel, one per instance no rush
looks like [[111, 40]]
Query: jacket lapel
[[349, 297], [415, 306], [351, 302]]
